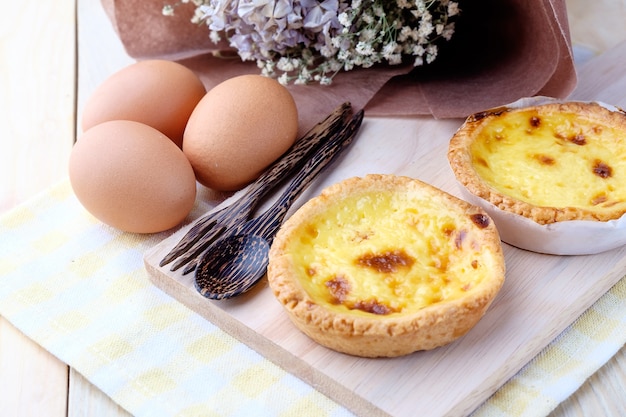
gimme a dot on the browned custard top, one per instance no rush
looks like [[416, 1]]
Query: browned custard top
[[554, 156], [385, 253]]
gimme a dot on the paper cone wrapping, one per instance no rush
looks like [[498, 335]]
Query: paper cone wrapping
[[502, 50]]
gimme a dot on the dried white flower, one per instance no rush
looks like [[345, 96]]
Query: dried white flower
[[364, 48], [453, 9]]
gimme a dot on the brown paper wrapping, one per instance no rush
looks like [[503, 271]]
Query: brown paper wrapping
[[502, 50]]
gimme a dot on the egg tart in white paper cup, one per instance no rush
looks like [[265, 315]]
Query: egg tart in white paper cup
[[550, 173], [385, 265]]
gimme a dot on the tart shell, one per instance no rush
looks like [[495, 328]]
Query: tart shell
[[565, 230], [390, 335]]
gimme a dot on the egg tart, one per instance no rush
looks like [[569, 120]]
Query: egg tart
[[560, 165], [384, 265]]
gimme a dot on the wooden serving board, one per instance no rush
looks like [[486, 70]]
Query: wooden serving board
[[542, 295]]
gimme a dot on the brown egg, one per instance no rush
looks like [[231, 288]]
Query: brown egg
[[238, 129], [159, 93], [132, 177]]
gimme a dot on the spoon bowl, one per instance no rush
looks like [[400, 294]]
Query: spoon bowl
[[248, 258]]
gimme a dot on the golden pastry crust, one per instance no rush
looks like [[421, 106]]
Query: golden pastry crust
[[383, 266], [550, 163]]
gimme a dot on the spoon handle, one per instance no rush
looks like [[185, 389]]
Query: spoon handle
[[200, 234], [304, 147], [268, 223]]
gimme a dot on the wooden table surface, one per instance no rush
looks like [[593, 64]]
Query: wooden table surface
[[53, 55]]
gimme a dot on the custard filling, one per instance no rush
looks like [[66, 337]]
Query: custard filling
[[552, 159], [390, 253]]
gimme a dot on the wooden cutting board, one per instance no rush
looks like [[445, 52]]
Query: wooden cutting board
[[542, 295]]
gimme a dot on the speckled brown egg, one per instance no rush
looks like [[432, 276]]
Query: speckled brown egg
[[132, 177], [159, 93], [238, 129]]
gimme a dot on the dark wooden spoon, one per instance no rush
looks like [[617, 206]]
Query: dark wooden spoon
[[236, 262]]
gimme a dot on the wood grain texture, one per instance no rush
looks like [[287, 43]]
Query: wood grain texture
[[604, 393], [37, 118], [85, 400], [598, 25], [34, 383], [37, 73]]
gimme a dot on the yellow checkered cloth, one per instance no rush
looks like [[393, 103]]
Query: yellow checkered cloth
[[80, 290]]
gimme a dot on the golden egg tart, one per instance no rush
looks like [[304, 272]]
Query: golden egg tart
[[551, 174], [384, 265]]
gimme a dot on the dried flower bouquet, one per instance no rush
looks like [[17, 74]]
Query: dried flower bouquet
[[304, 41]]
